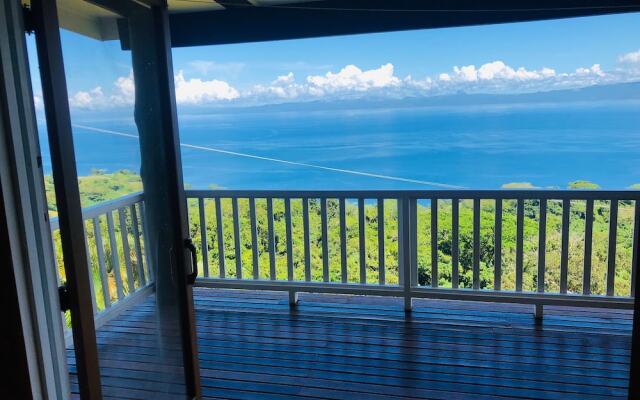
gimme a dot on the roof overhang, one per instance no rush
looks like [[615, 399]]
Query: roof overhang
[[207, 22]]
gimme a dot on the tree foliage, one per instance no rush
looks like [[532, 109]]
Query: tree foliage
[[103, 186]]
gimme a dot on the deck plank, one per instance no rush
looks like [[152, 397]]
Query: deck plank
[[253, 346]]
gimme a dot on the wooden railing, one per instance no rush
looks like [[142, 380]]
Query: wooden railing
[[305, 241], [115, 248], [576, 248]]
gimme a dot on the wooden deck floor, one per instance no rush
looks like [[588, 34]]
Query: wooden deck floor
[[352, 347]]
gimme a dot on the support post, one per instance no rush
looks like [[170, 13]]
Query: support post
[[405, 227], [538, 311], [293, 298]]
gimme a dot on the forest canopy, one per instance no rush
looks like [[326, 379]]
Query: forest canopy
[[101, 186]]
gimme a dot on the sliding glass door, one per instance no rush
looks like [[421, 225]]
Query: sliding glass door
[[116, 200]]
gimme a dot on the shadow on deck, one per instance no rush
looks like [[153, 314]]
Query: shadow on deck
[[252, 346]]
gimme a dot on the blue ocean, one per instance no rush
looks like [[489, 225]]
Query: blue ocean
[[406, 148]]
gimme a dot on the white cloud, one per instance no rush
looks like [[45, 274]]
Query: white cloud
[[496, 70], [352, 78], [632, 57], [198, 91], [188, 91], [93, 98], [594, 70], [125, 90], [37, 101], [352, 81], [123, 93], [283, 87]]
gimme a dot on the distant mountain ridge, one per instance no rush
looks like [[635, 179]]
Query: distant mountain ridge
[[591, 94]]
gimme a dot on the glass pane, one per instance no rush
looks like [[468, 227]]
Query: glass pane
[[139, 342]]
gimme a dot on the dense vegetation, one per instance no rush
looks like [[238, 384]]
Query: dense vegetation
[[487, 251], [101, 186]]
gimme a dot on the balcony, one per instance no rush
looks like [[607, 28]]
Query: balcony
[[305, 294]]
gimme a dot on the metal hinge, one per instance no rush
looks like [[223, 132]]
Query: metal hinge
[[65, 301], [27, 16]]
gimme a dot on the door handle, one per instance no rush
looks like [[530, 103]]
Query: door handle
[[191, 278]]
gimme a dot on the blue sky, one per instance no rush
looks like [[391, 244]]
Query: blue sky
[[497, 58]]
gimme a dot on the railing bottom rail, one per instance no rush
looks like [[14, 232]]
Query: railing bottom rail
[[503, 296]]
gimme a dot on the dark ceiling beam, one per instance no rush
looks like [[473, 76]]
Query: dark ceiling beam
[[343, 17]]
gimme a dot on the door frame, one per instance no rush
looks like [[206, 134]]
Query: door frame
[[24, 201], [156, 117]]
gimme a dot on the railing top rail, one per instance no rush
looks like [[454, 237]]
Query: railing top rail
[[106, 206], [526, 194]]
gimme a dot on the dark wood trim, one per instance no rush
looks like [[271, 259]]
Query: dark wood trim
[[161, 172], [239, 24], [55, 96]]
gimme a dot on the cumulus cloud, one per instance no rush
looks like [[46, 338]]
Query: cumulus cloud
[[283, 87], [493, 77], [87, 99], [123, 93], [632, 57], [197, 91], [125, 90], [493, 71], [352, 81], [188, 91], [352, 78], [497, 76]]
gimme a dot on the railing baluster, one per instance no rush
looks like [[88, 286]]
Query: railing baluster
[[455, 225], [519, 243], [115, 260], [434, 242], [124, 236], [413, 231], [138, 248], [220, 234], [325, 240], [203, 237], [104, 279], [343, 240], [497, 257], [611, 258], [236, 237], [542, 245], [635, 244], [289, 237], [271, 240], [588, 243], [90, 265], [362, 242], [254, 238], [564, 255], [381, 249], [476, 243], [307, 242]]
